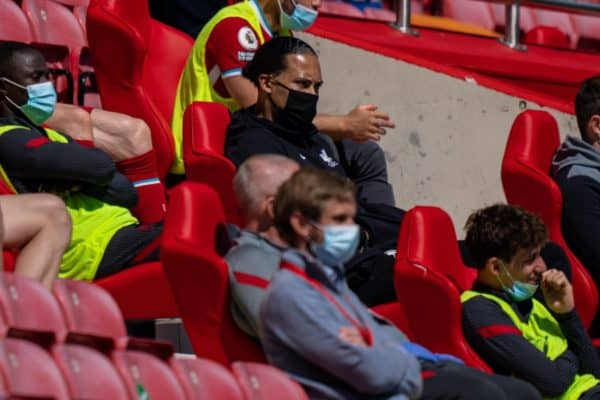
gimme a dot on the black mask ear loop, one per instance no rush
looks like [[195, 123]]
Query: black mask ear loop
[[15, 84]]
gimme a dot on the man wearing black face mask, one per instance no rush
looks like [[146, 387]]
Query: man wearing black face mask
[[281, 120], [287, 73]]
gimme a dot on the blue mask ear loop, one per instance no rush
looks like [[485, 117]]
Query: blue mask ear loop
[[509, 276]]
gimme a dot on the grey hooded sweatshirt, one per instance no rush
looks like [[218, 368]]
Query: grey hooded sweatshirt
[[299, 329], [576, 169]]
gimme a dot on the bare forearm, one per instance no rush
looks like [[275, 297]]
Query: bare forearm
[[331, 125]]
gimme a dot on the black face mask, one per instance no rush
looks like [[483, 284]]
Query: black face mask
[[299, 111]]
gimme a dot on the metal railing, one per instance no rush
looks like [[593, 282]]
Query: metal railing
[[512, 34], [403, 17]]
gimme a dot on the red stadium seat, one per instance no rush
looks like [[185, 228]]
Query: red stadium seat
[[138, 62], [205, 379], [560, 20], [470, 11], [531, 144], [79, 8], [29, 372], [204, 129], [192, 256], [547, 36], [394, 313], [588, 28], [31, 311], [142, 292], [89, 310], [339, 8], [429, 277], [140, 369], [14, 24], [54, 23], [104, 327], [88, 373], [264, 382]]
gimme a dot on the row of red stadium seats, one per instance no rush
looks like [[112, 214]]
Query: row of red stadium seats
[[57, 27], [576, 28], [73, 345]]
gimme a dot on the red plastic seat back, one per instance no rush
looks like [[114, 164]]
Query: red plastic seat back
[[194, 239], [429, 277], [395, 314], [429, 239], [153, 374], [204, 130], [79, 8], [264, 382], [532, 141], [54, 23], [547, 36], [138, 62], [14, 24], [89, 309], [588, 26], [88, 373], [470, 11], [31, 311], [30, 372], [206, 379], [560, 20], [142, 292]]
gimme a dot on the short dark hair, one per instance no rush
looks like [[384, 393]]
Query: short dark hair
[[7, 52], [501, 231], [305, 192], [587, 104], [270, 58]]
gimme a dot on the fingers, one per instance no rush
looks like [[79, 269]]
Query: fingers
[[554, 279], [383, 119], [368, 107]]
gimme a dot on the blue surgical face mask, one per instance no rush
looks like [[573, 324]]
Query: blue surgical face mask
[[518, 291], [339, 243], [302, 17], [41, 100]]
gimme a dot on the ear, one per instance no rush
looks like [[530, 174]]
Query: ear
[[264, 83], [593, 128], [302, 228], [493, 265], [271, 207]]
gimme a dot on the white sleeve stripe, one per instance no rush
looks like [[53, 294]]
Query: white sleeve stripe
[[231, 72]]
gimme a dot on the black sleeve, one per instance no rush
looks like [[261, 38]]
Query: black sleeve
[[119, 192], [498, 341], [579, 342], [581, 220], [29, 154], [251, 142]]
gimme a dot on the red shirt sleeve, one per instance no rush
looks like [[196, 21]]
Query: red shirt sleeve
[[231, 44]]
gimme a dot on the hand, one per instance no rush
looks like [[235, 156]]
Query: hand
[[364, 123], [557, 291], [351, 335]]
